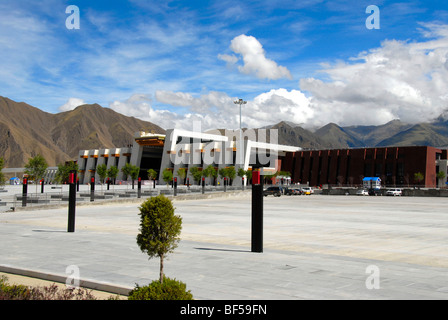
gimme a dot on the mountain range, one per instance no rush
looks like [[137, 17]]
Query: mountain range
[[394, 133], [26, 131]]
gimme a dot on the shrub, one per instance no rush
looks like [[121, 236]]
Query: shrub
[[21, 292], [170, 289], [13, 292]]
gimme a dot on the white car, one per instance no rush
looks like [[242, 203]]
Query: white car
[[307, 190], [362, 192], [394, 192]]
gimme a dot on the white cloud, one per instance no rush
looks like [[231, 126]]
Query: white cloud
[[138, 106], [199, 105], [279, 105], [254, 58], [71, 104], [216, 110], [399, 80], [230, 59]]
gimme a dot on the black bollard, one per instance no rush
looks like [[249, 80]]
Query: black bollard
[[139, 188], [257, 212], [42, 186], [203, 185], [225, 184], [92, 189], [24, 192], [77, 184], [72, 202], [175, 186]]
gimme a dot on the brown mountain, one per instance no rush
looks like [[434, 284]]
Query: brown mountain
[[26, 131], [297, 136], [393, 133]]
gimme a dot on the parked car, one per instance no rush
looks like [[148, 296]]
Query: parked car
[[292, 191], [375, 192], [394, 192], [362, 192], [275, 191], [307, 190], [297, 191]]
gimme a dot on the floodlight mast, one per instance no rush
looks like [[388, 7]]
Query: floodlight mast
[[241, 102]]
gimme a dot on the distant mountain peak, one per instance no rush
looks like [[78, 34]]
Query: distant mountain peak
[[27, 131]]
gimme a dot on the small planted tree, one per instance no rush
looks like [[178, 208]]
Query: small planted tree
[[196, 174], [182, 173], [228, 172], [36, 168], [159, 229], [249, 176], [418, 177], [241, 173], [167, 176], [126, 170], [101, 170], [63, 173], [112, 174], [135, 171], [152, 175], [211, 173]]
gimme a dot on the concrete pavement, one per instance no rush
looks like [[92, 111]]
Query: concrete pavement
[[315, 247]]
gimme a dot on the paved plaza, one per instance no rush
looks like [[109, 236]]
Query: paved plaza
[[315, 247]]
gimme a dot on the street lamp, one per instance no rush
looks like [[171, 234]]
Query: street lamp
[[241, 102]]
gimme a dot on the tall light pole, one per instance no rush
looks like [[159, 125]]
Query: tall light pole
[[241, 102]]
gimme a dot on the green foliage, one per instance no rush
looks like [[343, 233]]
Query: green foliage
[[228, 172], [167, 175], [101, 170], [210, 172], [418, 177], [36, 167], [126, 170], [170, 289], [64, 170], [283, 173], [21, 292], [135, 171], [182, 173], [196, 174], [249, 175], [231, 172], [159, 228], [441, 175], [112, 172], [152, 174]]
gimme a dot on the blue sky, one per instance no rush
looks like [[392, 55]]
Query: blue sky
[[173, 62]]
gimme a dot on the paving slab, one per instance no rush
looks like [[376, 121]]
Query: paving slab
[[315, 247]]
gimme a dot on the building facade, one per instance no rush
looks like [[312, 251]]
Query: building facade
[[187, 149], [394, 165]]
